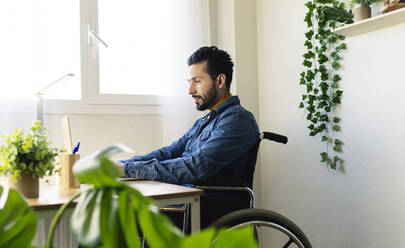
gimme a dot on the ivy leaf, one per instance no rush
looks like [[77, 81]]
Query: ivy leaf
[[336, 159], [301, 105], [322, 58], [324, 156], [308, 44], [324, 86], [322, 69], [310, 75], [336, 78], [335, 56], [309, 34], [307, 63], [311, 127], [310, 6], [309, 87], [325, 118], [308, 19], [324, 138], [335, 65], [336, 119], [335, 85], [311, 108], [336, 128], [332, 39]]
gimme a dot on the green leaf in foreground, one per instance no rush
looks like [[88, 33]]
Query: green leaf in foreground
[[17, 221], [237, 238], [202, 239]]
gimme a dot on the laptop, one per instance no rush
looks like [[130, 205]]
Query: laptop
[[66, 135], [67, 144]]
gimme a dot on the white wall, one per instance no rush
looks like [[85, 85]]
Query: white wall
[[362, 203]]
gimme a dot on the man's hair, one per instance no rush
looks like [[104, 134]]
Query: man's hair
[[218, 62]]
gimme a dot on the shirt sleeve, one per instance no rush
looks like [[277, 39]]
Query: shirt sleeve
[[233, 136]]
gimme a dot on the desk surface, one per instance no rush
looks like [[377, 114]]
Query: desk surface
[[51, 198]]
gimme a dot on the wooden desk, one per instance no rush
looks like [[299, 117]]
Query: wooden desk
[[50, 199]]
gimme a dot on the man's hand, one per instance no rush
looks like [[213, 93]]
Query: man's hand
[[120, 167]]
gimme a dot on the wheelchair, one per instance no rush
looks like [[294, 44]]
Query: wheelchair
[[263, 221]]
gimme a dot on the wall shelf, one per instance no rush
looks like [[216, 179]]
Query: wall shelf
[[372, 24]]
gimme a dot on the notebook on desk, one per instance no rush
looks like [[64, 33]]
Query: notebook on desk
[[128, 179]]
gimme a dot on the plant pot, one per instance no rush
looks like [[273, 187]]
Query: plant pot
[[361, 13], [27, 186]]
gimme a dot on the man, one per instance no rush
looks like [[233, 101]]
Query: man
[[214, 151], [206, 154]]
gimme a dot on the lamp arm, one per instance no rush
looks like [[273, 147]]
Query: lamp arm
[[39, 93]]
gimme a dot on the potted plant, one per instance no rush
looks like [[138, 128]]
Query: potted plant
[[26, 158], [364, 10]]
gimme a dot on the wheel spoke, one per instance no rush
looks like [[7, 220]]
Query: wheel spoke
[[288, 243]]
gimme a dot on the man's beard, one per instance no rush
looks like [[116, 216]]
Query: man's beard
[[208, 101]]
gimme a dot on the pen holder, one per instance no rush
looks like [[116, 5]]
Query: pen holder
[[66, 179]]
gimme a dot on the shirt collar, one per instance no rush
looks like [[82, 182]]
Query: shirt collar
[[221, 101], [232, 100]]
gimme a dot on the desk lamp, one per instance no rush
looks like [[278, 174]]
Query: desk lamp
[[40, 94]]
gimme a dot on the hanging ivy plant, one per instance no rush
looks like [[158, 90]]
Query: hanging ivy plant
[[321, 79]]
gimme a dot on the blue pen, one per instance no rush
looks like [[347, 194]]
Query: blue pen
[[76, 149]]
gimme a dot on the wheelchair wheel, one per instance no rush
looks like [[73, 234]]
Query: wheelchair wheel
[[263, 220]]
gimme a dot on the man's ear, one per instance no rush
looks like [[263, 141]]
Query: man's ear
[[221, 79]]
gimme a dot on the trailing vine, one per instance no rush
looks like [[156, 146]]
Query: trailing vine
[[321, 79]]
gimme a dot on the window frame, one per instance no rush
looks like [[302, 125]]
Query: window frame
[[90, 64]]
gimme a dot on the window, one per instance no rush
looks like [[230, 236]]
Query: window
[[136, 57], [45, 38], [41, 44], [127, 51]]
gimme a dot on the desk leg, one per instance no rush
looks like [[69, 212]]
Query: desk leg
[[195, 214]]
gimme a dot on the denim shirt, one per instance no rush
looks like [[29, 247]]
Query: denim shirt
[[207, 150]]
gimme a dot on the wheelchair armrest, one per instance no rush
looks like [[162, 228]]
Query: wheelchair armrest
[[225, 188]]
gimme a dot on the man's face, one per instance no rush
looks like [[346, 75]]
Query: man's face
[[202, 87]]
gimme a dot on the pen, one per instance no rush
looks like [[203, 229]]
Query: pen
[[76, 149]]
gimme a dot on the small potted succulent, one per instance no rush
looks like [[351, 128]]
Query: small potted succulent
[[26, 158], [364, 10]]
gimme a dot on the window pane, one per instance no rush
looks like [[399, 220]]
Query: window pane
[[135, 61], [41, 45]]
